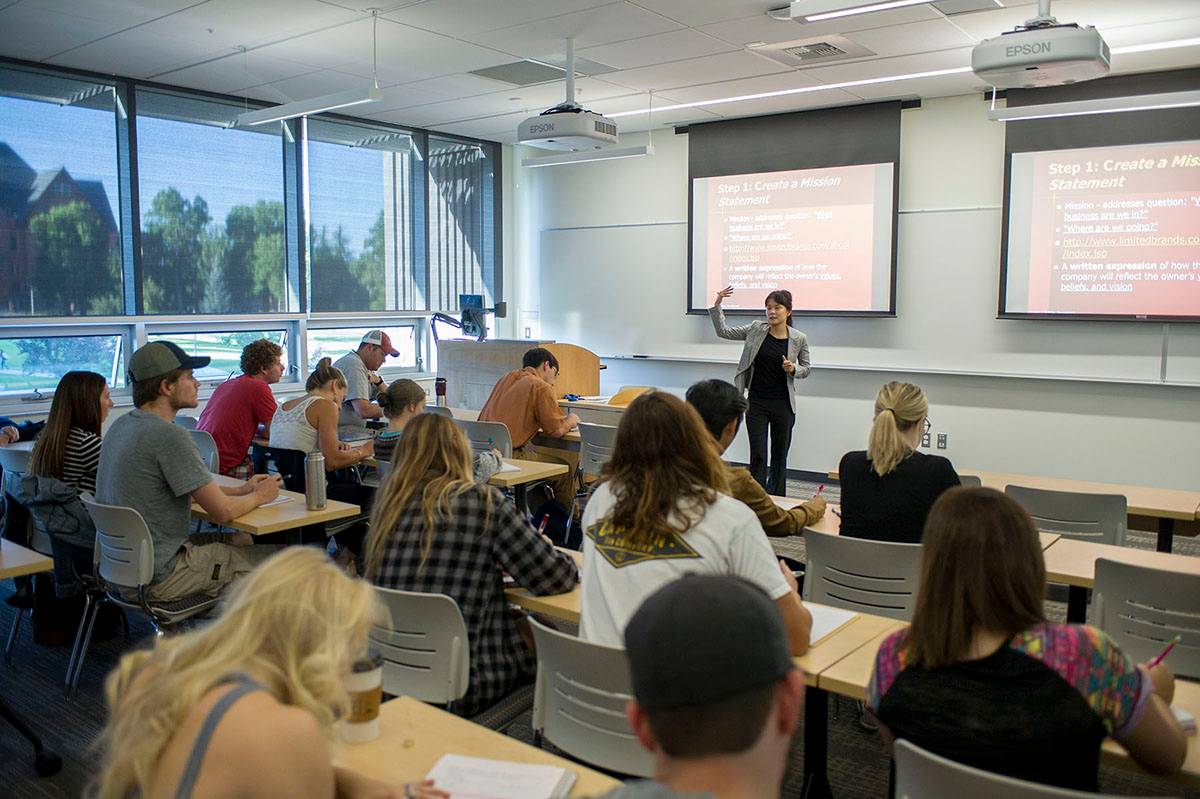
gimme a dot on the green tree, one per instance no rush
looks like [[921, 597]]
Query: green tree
[[334, 286], [253, 267], [77, 269], [368, 268], [61, 354], [173, 267]]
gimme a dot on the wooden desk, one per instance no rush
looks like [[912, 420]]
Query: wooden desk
[[564, 607], [842, 643], [831, 523], [413, 736], [1164, 504], [18, 561], [1073, 562], [278, 518]]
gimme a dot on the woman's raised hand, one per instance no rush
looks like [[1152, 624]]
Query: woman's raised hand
[[722, 294]]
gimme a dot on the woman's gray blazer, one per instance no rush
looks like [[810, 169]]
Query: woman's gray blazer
[[754, 334]]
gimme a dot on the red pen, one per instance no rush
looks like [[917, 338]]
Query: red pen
[[545, 521], [820, 488], [1166, 651]]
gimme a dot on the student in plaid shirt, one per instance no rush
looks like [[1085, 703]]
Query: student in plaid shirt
[[434, 530]]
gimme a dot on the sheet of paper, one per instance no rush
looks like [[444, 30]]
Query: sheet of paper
[[479, 778], [509, 467], [277, 501], [827, 620]]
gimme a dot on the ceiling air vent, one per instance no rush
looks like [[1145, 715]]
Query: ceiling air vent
[[811, 52]]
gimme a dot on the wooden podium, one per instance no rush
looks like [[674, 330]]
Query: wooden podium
[[471, 368]]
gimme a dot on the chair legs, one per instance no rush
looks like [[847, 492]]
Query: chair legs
[[12, 635], [79, 652], [45, 762]]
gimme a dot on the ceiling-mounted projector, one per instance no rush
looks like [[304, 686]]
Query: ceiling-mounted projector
[[568, 126], [1041, 53]]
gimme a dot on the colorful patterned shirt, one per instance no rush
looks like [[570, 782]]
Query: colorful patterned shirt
[[1036, 709]]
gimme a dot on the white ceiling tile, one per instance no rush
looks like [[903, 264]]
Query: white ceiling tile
[[465, 17], [784, 104], [125, 13], [401, 116], [709, 69], [668, 119], [234, 23], [529, 100], [1152, 32], [657, 49], [915, 37], [138, 53], [941, 86], [543, 38], [483, 128], [307, 86], [792, 79], [705, 12], [234, 73], [764, 29], [633, 102], [32, 33], [885, 67], [1178, 58], [436, 90]]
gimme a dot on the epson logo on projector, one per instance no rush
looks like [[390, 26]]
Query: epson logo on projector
[[1033, 48], [543, 128]]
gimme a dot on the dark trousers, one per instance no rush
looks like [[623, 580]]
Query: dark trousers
[[776, 416]]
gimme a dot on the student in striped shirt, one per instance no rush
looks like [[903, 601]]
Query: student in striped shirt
[[69, 447]]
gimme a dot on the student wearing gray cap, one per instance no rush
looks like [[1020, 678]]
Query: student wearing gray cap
[[716, 694]]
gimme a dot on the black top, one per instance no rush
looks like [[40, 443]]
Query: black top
[[892, 507], [768, 380]]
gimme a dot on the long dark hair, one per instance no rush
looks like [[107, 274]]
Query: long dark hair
[[76, 403], [781, 297]]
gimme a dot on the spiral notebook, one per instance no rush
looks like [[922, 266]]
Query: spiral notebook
[[479, 778]]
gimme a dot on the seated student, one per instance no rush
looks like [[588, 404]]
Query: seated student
[[717, 696], [721, 407], [435, 530], [994, 685], [245, 706], [362, 383], [150, 464], [242, 407], [661, 511], [401, 402], [524, 401], [888, 489]]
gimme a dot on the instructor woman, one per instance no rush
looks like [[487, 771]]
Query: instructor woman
[[773, 357]]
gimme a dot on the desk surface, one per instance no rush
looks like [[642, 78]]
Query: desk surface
[[564, 607], [467, 414], [413, 736], [286, 516], [831, 523], [843, 643], [1073, 562], [527, 472], [18, 561]]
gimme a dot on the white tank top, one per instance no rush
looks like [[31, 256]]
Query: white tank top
[[292, 430]]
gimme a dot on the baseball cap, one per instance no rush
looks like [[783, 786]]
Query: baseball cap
[[704, 638], [380, 339], [159, 357]]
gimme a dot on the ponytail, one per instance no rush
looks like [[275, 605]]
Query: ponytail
[[323, 375], [898, 406]]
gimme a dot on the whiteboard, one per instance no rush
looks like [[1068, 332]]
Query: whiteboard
[[620, 290]]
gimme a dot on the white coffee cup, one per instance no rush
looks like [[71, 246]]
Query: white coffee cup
[[365, 686]]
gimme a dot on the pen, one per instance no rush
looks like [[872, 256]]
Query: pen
[[542, 526], [1166, 651], [820, 488]]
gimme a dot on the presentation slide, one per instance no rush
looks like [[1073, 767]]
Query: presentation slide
[[823, 234], [1105, 231]]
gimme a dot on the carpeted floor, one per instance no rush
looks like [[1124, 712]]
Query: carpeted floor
[[32, 684]]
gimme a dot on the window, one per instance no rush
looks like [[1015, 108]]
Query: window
[[37, 364], [462, 221], [360, 232], [225, 349], [58, 196], [334, 342], [212, 215]]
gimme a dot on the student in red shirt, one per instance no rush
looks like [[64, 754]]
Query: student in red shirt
[[239, 407]]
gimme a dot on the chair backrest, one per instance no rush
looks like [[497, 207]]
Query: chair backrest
[[383, 470], [579, 702], [15, 463], [124, 553], [595, 446], [440, 410], [970, 481], [208, 448], [920, 774], [426, 652], [1099, 518], [1144, 608], [877, 577], [485, 436], [183, 420], [15, 460]]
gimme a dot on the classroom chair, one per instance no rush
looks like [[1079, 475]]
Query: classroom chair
[[970, 481], [1144, 608], [207, 446], [595, 448], [185, 421], [877, 577], [579, 702], [1099, 518], [427, 655], [485, 436], [923, 775], [124, 562], [440, 410], [15, 463]]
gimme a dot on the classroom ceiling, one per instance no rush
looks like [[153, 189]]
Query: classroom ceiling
[[682, 51]]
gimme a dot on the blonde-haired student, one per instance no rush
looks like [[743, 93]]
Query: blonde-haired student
[[245, 707], [888, 488]]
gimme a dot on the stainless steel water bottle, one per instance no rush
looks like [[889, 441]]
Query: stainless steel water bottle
[[314, 480]]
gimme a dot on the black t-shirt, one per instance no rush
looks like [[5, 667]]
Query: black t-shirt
[[892, 507], [769, 381]]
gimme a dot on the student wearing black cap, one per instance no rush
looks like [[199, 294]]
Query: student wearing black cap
[[716, 694]]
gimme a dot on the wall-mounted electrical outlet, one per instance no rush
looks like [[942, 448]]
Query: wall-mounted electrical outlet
[[925, 440], [528, 332], [942, 440]]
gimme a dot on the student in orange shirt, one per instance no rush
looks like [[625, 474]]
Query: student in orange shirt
[[524, 401]]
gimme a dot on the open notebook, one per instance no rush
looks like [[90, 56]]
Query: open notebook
[[479, 778], [827, 620]]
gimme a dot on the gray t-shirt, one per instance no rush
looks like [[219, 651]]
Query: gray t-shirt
[[650, 789], [152, 466], [358, 386]]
